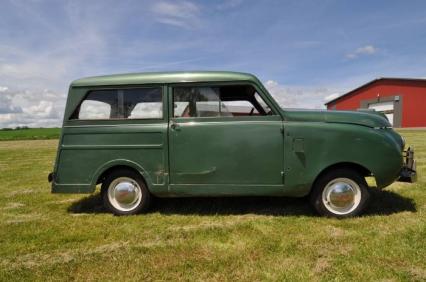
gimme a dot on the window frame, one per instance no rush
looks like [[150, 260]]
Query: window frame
[[262, 95], [117, 88]]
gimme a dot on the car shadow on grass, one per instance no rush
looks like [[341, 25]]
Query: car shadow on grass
[[383, 202]]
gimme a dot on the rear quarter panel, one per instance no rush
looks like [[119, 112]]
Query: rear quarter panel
[[87, 151]]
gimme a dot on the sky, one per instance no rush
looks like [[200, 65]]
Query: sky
[[305, 52]]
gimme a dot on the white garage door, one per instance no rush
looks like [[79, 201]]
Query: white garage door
[[384, 107]]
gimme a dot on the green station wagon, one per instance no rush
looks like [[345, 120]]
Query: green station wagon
[[186, 134]]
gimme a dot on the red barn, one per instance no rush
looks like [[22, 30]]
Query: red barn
[[403, 100]]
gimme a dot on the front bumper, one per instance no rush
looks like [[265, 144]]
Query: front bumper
[[408, 171]]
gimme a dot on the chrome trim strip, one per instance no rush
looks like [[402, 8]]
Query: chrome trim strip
[[104, 147]]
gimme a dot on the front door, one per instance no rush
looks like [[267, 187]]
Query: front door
[[224, 137]]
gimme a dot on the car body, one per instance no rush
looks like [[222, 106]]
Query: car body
[[213, 134]]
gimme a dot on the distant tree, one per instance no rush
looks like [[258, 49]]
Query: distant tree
[[21, 127]]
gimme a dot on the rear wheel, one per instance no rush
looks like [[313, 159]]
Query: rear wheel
[[124, 193], [340, 193]]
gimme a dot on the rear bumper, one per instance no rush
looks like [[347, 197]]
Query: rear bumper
[[71, 188], [51, 177], [408, 171]]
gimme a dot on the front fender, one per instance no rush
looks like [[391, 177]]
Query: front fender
[[313, 146]]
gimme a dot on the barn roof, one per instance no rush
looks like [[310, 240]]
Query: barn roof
[[375, 81]]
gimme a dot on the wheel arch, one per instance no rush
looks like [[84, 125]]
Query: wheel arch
[[362, 170], [108, 167]]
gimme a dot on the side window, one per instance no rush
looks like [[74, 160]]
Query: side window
[[225, 101], [196, 102], [238, 108], [91, 109], [142, 103], [135, 103], [102, 104]]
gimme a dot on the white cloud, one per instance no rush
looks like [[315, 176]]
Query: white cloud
[[7, 106], [297, 96], [34, 109], [331, 97], [183, 14], [3, 88], [365, 50]]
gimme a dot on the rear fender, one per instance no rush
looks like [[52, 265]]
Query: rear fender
[[121, 163]]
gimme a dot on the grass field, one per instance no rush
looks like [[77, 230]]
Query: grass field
[[70, 237], [30, 134]]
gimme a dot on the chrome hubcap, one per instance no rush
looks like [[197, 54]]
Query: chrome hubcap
[[341, 196], [124, 194]]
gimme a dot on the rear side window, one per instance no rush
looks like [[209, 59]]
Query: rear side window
[[135, 103], [100, 104]]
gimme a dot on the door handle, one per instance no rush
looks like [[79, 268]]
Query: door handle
[[175, 126]]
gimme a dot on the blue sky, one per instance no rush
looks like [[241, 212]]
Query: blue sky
[[304, 51]]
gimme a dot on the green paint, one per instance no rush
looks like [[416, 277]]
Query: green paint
[[279, 154]]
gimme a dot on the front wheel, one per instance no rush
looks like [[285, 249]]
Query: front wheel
[[124, 193], [340, 193]]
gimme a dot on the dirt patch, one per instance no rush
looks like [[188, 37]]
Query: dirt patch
[[20, 192], [21, 218], [11, 206], [321, 265], [208, 225], [232, 221], [80, 214], [419, 274], [66, 201], [336, 231], [58, 257]]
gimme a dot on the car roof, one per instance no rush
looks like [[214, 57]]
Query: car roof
[[163, 77]]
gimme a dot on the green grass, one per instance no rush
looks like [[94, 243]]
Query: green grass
[[70, 237], [30, 134]]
